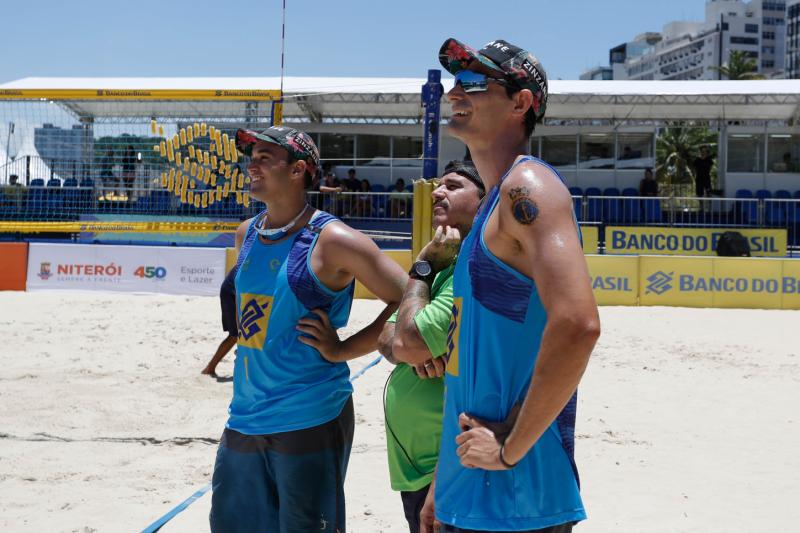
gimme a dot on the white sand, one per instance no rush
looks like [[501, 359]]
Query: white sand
[[688, 419]]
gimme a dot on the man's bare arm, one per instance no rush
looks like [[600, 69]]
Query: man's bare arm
[[385, 342], [347, 253], [409, 346], [536, 210]]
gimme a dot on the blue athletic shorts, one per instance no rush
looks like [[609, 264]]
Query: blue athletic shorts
[[289, 482]]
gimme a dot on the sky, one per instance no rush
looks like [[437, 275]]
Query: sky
[[359, 38]]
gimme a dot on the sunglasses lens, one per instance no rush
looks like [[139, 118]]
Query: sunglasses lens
[[471, 81]]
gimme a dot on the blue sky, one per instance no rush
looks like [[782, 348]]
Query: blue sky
[[323, 37]]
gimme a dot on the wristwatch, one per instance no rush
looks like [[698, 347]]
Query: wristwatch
[[422, 271]]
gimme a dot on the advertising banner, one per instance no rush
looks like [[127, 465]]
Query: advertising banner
[[689, 241], [13, 262], [615, 279], [162, 269], [720, 282], [589, 235]]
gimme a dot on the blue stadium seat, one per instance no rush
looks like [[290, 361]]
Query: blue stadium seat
[[594, 205], [71, 195], [748, 211], [652, 210], [782, 194], [612, 208], [576, 191], [631, 209], [378, 188], [410, 188], [775, 213], [37, 199], [763, 194], [54, 182]]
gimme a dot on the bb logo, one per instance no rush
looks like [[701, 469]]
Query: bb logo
[[452, 338], [44, 271], [254, 313], [659, 282]]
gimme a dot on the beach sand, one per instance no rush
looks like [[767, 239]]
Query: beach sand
[[687, 419]]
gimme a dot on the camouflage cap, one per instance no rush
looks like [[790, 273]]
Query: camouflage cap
[[518, 66]]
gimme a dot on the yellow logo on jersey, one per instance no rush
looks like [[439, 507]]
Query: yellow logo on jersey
[[452, 338], [254, 313]]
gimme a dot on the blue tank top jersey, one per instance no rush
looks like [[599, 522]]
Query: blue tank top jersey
[[493, 342], [279, 383]]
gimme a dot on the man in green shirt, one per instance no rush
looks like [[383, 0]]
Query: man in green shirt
[[414, 395]]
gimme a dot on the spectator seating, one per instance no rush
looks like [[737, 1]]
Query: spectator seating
[[594, 205], [612, 208], [631, 208]]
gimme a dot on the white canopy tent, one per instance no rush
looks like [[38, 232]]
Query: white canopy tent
[[397, 100]]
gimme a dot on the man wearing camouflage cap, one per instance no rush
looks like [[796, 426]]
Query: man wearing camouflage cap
[[524, 317], [283, 455]]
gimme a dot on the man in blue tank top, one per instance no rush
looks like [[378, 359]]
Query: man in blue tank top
[[524, 316], [283, 456]]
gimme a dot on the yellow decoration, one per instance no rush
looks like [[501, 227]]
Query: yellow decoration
[[156, 148], [213, 179], [170, 150], [241, 181], [234, 152], [186, 165], [197, 200], [213, 161], [176, 141], [162, 147], [178, 158], [153, 127], [204, 200], [205, 158], [218, 138], [206, 175], [196, 128], [225, 189], [203, 129], [246, 200], [191, 151], [183, 136], [222, 166], [194, 169], [161, 131], [193, 184], [219, 194], [235, 173], [226, 147], [189, 134], [163, 179]]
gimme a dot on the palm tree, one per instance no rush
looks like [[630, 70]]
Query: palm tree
[[676, 148], [740, 66]]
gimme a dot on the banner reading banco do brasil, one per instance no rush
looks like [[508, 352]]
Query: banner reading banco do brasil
[[689, 241]]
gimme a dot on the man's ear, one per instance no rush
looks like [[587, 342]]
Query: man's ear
[[523, 100], [299, 169]]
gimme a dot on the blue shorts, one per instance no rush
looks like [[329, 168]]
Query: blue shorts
[[289, 482]]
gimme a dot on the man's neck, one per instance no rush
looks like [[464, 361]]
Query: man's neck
[[283, 210], [493, 159]]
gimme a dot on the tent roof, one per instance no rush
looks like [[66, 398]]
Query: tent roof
[[398, 99]]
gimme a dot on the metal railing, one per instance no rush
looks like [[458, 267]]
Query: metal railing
[[687, 211], [58, 203]]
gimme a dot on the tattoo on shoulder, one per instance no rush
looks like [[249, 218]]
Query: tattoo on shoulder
[[523, 207]]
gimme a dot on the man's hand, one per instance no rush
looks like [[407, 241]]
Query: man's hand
[[442, 249], [480, 441], [427, 518], [432, 368], [322, 336]]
